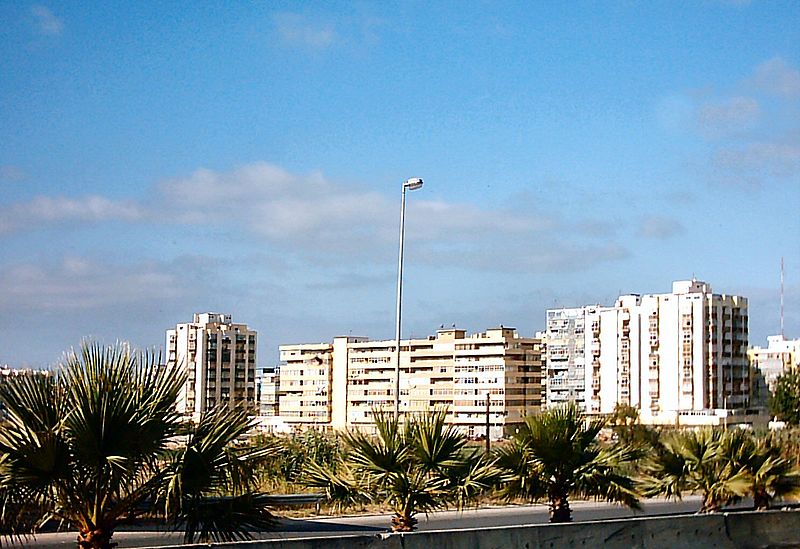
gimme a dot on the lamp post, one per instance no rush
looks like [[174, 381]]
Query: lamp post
[[408, 185]]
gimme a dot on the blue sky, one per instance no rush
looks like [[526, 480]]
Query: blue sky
[[159, 159]]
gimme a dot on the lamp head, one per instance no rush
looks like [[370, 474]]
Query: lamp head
[[412, 184]]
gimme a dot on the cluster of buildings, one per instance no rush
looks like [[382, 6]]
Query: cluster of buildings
[[680, 358]]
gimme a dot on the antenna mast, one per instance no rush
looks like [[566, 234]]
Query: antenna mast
[[782, 297]]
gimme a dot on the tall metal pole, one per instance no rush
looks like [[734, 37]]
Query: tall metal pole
[[488, 426], [399, 308], [782, 333]]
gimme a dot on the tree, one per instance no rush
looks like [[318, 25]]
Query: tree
[[770, 475], [417, 466], [293, 454], [784, 401], [95, 443], [557, 456], [624, 422], [704, 461]]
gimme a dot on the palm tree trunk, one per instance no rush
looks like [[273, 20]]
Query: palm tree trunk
[[559, 507], [710, 505], [761, 500], [403, 522], [99, 538]]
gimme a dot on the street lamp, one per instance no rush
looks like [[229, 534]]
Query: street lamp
[[408, 185]]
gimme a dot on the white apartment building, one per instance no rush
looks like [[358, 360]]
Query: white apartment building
[[676, 357], [566, 365], [781, 355], [219, 357], [305, 384], [267, 382], [339, 384]]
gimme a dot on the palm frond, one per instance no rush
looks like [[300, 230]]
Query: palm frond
[[342, 489], [224, 518]]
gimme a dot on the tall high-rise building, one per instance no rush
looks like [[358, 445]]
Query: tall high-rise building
[[219, 357], [780, 356], [339, 384], [566, 366], [682, 353]]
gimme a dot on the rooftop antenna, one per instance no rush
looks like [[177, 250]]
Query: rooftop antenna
[[782, 334]]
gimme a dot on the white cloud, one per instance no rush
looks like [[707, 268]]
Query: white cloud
[[303, 211], [755, 163], [80, 284], [11, 173], [754, 137], [728, 116], [49, 210], [660, 228], [323, 221], [777, 77], [298, 30], [316, 221], [544, 255], [46, 21]]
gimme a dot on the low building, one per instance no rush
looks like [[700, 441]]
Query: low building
[[781, 355]]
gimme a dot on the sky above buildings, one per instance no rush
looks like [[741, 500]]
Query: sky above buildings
[[160, 159]]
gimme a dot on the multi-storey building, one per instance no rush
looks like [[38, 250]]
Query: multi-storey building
[[669, 355], [781, 355], [267, 382], [340, 384], [566, 366], [219, 357], [305, 385]]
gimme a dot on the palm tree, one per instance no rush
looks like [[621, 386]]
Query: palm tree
[[417, 466], [557, 455], [770, 475], [98, 442], [702, 461]]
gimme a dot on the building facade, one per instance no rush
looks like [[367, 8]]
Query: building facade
[[340, 384], [219, 357], [781, 355], [673, 356], [566, 366], [267, 383]]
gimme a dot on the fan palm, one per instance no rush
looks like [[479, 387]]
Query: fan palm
[[770, 475], [703, 461], [557, 455], [95, 443], [417, 466]]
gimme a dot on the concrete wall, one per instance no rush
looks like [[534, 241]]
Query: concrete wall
[[740, 530]]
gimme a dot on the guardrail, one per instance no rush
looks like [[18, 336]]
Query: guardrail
[[295, 500]]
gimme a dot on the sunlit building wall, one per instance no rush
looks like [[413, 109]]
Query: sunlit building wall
[[669, 355], [780, 356], [219, 358], [340, 384]]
